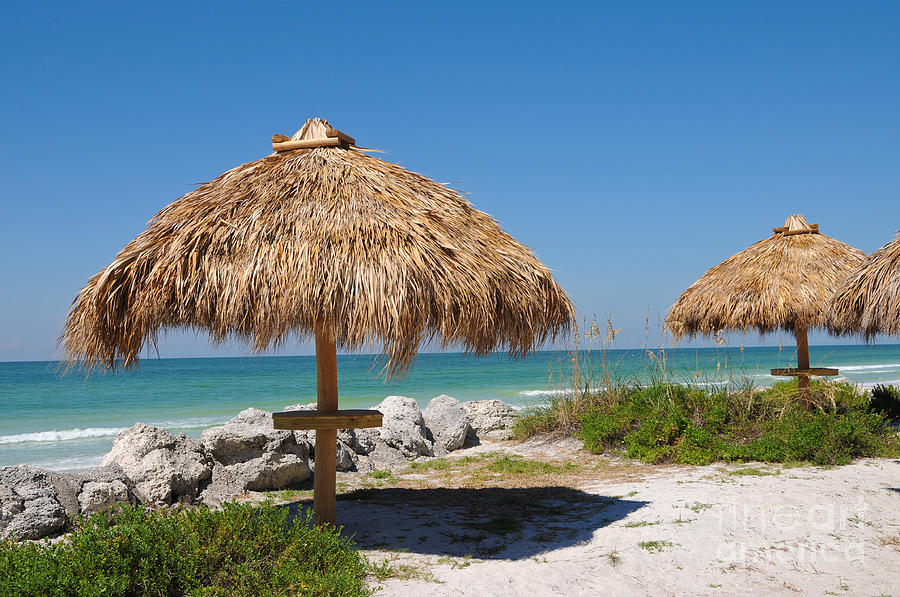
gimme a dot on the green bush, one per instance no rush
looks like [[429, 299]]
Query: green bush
[[240, 550], [820, 438], [886, 400], [691, 425]]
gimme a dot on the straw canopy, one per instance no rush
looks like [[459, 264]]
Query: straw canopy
[[782, 282], [868, 302], [319, 234]]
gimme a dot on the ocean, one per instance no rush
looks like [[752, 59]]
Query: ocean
[[68, 422]]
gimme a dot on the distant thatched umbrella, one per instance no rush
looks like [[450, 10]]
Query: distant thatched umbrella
[[868, 302], [782, 282], [320, 239]]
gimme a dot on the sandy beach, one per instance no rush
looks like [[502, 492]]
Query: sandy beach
[[570, 523]]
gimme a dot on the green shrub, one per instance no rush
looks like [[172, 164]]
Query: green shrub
[[240, 550], [691, 425], [820, 438], [886, 400]]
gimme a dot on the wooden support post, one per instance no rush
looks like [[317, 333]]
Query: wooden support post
[[803, 363], [324, 481]]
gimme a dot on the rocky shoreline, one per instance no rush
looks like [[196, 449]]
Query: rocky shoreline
[[150, 466]]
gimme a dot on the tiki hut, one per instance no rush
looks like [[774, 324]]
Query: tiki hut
[[320, 240], [868, 302], [783, 282]]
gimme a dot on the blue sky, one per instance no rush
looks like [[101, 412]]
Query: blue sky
[[632, 145]]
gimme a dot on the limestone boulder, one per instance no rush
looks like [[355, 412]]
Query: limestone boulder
[[251, 455], [490, 420], [447, 420], [163, 468], [29, 504], [404, 428], [100, 496], [249, 435], [273, 470]]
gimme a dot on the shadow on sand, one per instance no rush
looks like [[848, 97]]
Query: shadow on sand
[[486, 523]]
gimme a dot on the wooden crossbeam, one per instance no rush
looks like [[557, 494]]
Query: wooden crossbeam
[[333, 138], [347, 139], [795, 372], [314, 419], [813, 229], [306, 143]]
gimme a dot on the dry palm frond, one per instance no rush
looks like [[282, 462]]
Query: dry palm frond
[[868, 302], [325, 235], [782, 282]]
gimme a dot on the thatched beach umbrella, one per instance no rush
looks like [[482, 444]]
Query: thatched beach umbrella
[[868, 302], [320, 240], [782, 282]]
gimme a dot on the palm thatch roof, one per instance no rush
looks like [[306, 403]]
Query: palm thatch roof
[[782, 282], [868, 302], [312, 236]]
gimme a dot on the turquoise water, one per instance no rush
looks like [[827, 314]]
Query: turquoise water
[[68, 422]]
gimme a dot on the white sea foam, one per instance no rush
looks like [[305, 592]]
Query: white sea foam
[[871, 384], [60, 436], [880, 367], [77, 433], [544, 392], [191, 423]]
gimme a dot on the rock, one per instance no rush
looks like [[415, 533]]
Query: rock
[[273, 471], [345, 457], [41, 517], [359, 441], [164, 468], [309, 406], [446, 419], [490, 420], [383, 457], [226, 484], [98, 496], [269, 471], [249, 435], [253, 455], [365, 440], [29, 508], [403, 431], [404, 428]]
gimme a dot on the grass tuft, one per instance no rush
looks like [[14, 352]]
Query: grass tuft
[[655, 546]]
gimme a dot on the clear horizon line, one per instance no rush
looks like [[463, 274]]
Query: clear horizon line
[[424, 352]]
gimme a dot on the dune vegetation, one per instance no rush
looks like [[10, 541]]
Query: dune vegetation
[[238, 550], [682, 422]]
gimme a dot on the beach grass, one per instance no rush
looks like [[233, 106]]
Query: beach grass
[[238, 550], [662, 417], [691, 424]]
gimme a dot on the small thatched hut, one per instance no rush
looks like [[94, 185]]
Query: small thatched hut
[[782, 282], [320, 240], [868, 302]]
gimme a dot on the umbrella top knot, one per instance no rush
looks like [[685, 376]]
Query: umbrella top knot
[[315, 132], [313, 128], [796, 224]]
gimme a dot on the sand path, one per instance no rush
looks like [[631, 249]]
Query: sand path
[[619, 528]]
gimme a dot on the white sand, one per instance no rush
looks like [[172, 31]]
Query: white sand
[[801, 530]]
